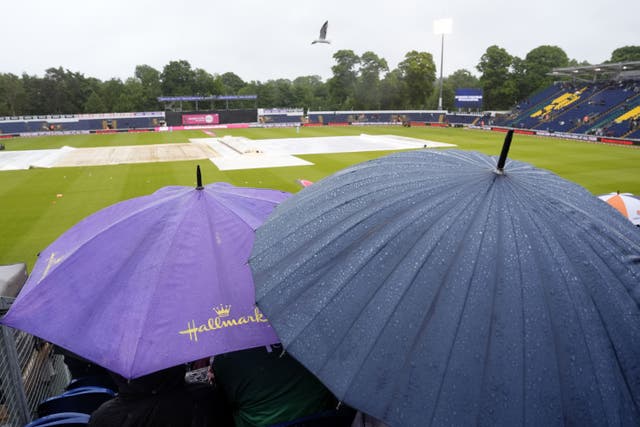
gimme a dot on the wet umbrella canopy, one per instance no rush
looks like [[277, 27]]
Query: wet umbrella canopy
[[432, 288], [152, 282]]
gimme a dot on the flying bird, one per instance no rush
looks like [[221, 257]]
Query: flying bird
[[323, 34]]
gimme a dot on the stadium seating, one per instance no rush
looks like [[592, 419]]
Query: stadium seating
[[280, 118], [74, 123], [461, 119], [394, 117], [534, 103], [9, 127], [589, 108], [69, 419], [634, 135], [583, 114], [82, 399]]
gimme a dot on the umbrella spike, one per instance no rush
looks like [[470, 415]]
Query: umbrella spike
[[505, 150], [199, 179]]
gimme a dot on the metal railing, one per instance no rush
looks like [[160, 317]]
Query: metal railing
[[30, 371]]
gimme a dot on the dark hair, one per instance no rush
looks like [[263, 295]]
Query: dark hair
[[155, 383]]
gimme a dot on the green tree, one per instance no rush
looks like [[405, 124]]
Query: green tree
[[392, 91], [519, 77], [35, 94], [111, 93], [499, 89], [309, 92], [266, 93], [151, 84], [65, 92], [368, 83], [462, 79], [418, 72], [576, 63], [231, 83], [537, 64], [248, 89], [132, 96], [12, 95], [283, 93], [625, 54], [177, 79], [206, 84], [342, 84], [94, 104]]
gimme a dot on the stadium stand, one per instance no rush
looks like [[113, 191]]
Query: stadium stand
[[532, 104], [563, 107], [386, 117], [580, 115], [79, 123], [634, 135]]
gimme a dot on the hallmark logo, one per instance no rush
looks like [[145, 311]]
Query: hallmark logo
[[222, 320], [222, 310]]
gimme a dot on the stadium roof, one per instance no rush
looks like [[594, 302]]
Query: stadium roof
[[592, 73]]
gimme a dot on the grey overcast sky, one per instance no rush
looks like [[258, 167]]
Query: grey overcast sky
[[263, 40]]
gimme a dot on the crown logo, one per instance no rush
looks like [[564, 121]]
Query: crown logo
[[222, 310]]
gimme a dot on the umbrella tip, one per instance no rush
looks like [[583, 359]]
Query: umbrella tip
[[199, 179], [505, 150]]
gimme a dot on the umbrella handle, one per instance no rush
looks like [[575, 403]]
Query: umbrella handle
[[505, 150], [199, 179]]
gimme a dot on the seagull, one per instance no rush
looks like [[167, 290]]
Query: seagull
[[323, 34]]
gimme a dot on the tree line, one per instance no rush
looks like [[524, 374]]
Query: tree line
[[358, 82]]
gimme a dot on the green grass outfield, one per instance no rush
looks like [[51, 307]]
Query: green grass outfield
[[32, 216]]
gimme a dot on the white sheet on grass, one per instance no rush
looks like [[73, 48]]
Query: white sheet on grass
[[25, 159]]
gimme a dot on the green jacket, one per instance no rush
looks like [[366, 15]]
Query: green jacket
[[268, 387]]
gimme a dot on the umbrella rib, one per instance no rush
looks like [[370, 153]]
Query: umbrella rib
[[453, 341], [516, 199], [327, 207], [336, 295], [613, 347], [492, 325], [543, 235], [522, 310], [596, 252], [429, 311], [155, 289], [545, 238], [329, 242], [232, 212], [155, 203], [619, 236], [111, 225]]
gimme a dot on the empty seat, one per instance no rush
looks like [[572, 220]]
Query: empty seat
[[82, 399], [61, 419]]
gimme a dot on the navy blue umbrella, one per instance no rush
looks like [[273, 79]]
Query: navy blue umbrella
[[442, 288]]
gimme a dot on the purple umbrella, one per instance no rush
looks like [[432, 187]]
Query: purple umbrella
[[152, 282]]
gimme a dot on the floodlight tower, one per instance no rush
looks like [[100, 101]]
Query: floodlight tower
[[442, 27]]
